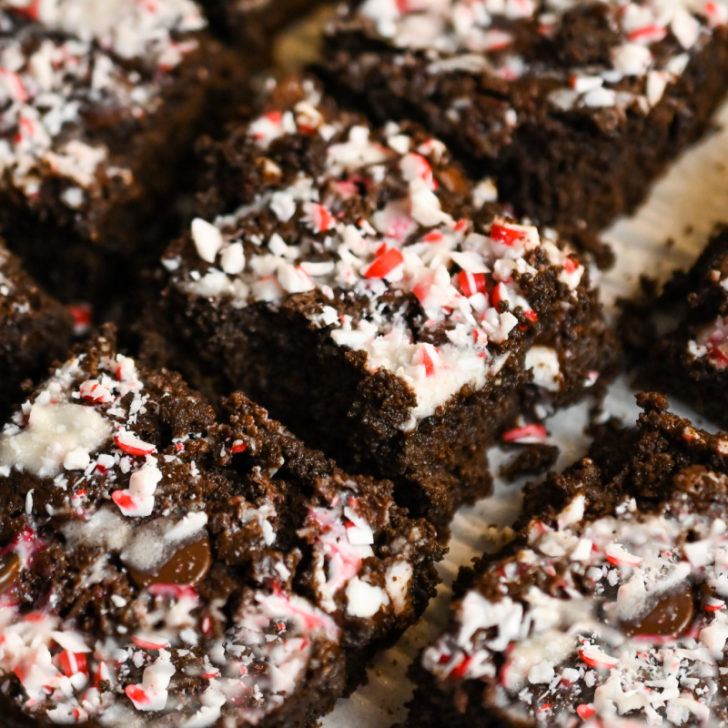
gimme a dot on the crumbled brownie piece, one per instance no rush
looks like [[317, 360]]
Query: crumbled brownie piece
[[161, 567], [532, 460], [691, 360], [100, 103], [575, 107], [609, 608], [34, 329], [352, 280]]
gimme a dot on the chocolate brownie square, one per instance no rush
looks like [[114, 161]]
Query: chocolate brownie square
[[34, 329], [100, 103], [574, 107], [355, 282], [609, 608], [691, 358], [162, 566]]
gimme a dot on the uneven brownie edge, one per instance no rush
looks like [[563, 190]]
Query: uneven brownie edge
[[589, 154], [85, 182], [34, 329], [609, 607], [352, 280], [162, 565], [689, 360]]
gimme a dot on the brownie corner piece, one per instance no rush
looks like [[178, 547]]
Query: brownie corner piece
[[609, 606], [575, 108], [34, 329], [99, 111], [158, 563], [690, 359], [354, 281]]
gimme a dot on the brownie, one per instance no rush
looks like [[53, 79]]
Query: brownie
[[609, 607], [163, 566], [251, 24], [574, 107], [690, 358], [99, 107], [34, 329], [355, 282]]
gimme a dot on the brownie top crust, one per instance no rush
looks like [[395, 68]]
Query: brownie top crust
[[597, 59], [611, 604], [376, 237], [157, 566], [77, 79]]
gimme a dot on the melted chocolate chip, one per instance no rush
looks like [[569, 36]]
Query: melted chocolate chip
[[672, 614], [188, 565], [9, 570]]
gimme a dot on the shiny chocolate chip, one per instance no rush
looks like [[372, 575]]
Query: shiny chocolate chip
[[9, 570], [188, 565], [671, 615]]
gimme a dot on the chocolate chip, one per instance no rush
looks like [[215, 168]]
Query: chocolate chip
[[9, 570], [672, 614], [188, 565]]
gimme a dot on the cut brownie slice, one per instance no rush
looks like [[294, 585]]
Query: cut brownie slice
[[99, 106], [160, 567], [691, 360], [574, 106], [34, 329], [609, 608], [352, 280]]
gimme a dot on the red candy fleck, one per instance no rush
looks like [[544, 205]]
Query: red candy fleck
[[319, 218], [81, 315], [434, 236], [648, 34], [386, 262], [585, 711], [72, 662], [505, 234], [123, 499], [471, 283], [570, 265], [531, 433], [530, 315], [137, 694], [148, 644], [238, 446], [461, 668]]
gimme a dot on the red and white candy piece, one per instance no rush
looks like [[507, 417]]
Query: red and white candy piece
[[594, 657], [526, 434], [152, 693], [388, 264], [617, 555], [93, 391], [129, 443], [138, 500], [318, 217]]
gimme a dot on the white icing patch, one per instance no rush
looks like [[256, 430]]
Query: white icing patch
[[153, 544], [54, 434]]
